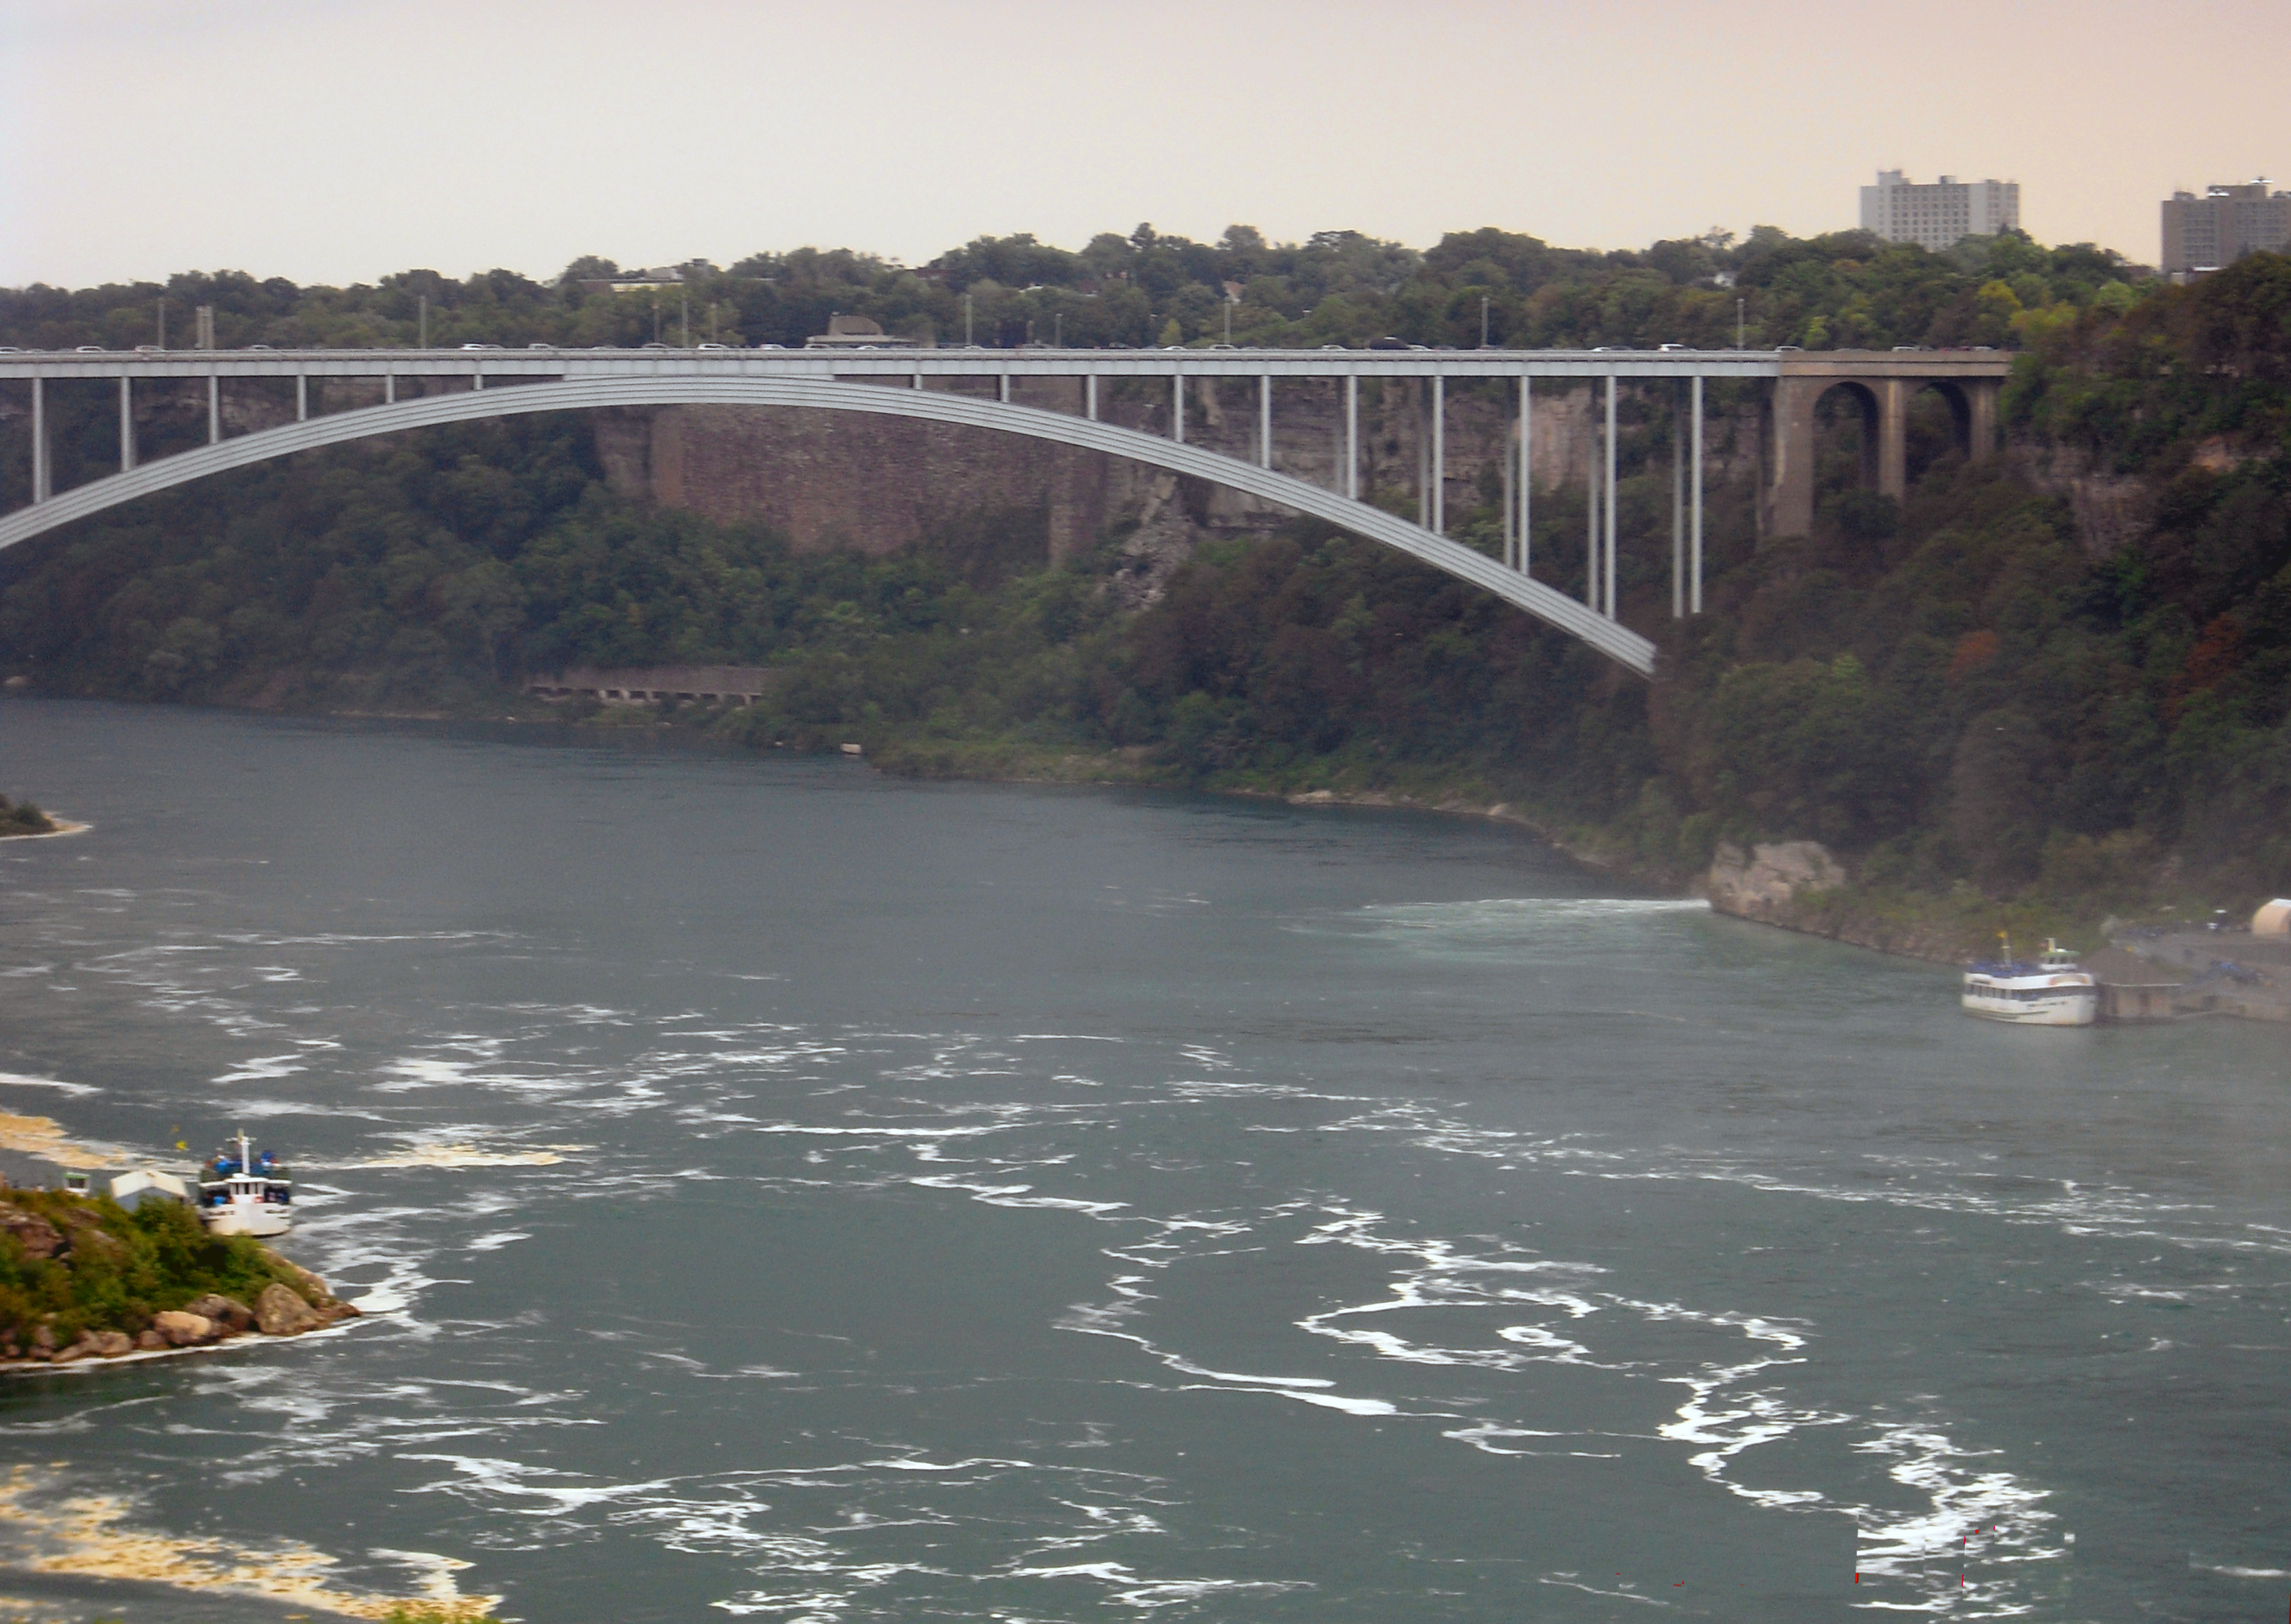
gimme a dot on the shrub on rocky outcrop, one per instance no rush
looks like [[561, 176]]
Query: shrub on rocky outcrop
[[82, 1277]]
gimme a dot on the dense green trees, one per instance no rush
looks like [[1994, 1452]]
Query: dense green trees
[[1147, 288], [1966, 687]]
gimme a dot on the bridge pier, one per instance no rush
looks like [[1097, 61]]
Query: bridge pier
[[126, 427], [1886, 389]]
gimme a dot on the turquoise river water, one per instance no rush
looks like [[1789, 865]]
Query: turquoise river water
[[794, 1194]]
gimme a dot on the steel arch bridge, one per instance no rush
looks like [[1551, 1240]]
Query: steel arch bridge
[[1608, 637]]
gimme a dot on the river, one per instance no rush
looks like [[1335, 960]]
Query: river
[[798, 1195]]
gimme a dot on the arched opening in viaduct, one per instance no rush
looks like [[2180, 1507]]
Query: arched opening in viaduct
[[1834, 425]]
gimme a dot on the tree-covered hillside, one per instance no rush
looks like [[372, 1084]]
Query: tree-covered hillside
[[1976, 700]]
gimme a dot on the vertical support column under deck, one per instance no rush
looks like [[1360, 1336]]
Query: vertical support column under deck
[[1177, 407], [1526, 467], [1352, 435], [1264, 419], [1980, 420], [126, 426], [214, 409], [1418, 390], [1006, 389], [1503, 466], [477, 382], [302, 397], [1677, 509], [1608, 595], [1694, 596], [1439, 455], [1089, 396], [389, 389], [1591, 508], [39, 438]]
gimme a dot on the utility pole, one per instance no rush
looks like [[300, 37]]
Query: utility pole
[[1738, 323], [1484, 321], [655, 315], [1228, 319], [163, 323], [966, 322], [423, 342], [1059, 330], [685, 294], [205, 318]]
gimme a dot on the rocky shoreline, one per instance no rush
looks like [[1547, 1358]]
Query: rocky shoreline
[[205, 1322], [66, 1262]]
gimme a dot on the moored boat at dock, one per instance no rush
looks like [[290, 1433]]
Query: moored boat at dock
[[246, 1194], [2052, 991]]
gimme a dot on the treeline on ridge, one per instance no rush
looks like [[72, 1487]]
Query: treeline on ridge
[[1848, 289]]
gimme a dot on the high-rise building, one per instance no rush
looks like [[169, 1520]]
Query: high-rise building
[[1939, 215], [2223, 225]]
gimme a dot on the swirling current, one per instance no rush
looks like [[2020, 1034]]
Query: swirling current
[[789, 1193]]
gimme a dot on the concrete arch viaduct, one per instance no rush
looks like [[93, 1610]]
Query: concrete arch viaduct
[[555, 381]]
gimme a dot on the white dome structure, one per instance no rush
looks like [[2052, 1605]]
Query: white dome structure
[[2273, 919]]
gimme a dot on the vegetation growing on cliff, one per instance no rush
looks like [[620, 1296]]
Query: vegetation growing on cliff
[[1962, 693]]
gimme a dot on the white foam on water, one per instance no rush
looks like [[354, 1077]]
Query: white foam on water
[[264, 1068], [1130, 1591], [17, 1079], [1018, 1196], [1569, 1582]]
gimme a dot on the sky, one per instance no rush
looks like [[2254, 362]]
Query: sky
[[337, 140]]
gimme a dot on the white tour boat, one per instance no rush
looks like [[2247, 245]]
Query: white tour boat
[[2052, 991], [246, 1194]]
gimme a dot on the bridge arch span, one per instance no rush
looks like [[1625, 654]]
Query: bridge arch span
[[1618, 643]]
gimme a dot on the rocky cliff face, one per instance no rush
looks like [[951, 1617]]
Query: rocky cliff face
[[1765, 882], [879, 484]]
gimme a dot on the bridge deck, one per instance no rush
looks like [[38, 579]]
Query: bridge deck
[[507, 365]]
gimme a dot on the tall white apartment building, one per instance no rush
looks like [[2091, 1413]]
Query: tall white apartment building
[[1936, 216]]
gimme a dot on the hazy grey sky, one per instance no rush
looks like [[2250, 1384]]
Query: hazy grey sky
[[338, 139]]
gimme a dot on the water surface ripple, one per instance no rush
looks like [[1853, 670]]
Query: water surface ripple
[[816, 1198]]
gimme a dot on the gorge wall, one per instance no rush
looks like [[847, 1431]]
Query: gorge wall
[[879, 484]]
